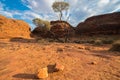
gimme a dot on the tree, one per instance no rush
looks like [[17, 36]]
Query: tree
[[59, 7], [45, 25]]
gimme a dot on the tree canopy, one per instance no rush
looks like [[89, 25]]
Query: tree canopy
[[60, 6], [45, 25]]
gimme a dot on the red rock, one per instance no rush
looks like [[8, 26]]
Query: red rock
[[94, 62], [101, 24], [10, 28], [43, 73], [59, 67], [58, 28], [60, 50], [61, 28]]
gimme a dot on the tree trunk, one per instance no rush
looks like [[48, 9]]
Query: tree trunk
[[60, 15], [55, 37]]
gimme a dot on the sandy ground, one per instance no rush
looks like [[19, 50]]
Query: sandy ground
[[21, 60]]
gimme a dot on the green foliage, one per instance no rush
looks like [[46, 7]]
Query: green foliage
[[115, 46], [45, 25], [37, 21], [98, 42], [107, 41], [41, 41], [60, 6]]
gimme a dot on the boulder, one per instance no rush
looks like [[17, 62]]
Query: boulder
[[42, 73], [10, 28], [94, 63], [61, 28], [101, 24], [59, 67]]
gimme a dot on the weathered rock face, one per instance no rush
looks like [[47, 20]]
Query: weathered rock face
[[10, 28], [38, 32], [61, 28], [102, 24], [58, 28]]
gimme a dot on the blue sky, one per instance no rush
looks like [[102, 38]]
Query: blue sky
[[79, 9]]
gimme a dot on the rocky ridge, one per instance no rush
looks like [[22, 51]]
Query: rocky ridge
[[101, 24], [11, 28]]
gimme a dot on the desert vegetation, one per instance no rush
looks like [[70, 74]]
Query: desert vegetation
[[115, 46], [60, 7], [55, 50]]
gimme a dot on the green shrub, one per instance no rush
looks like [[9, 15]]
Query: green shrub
[[42, 41], [45, 25], [115, 46], [98, 42], [91, 41], [107, 41]]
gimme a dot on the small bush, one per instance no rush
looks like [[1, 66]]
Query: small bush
[[42, 41], [84, 41], [108, 41], [98, 42], [91, 41], [115, 46]]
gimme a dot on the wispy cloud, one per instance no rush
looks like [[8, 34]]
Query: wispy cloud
[[103, 3], [79, 10], [1, 6], [3, 12], [6, 13], [39, 6]]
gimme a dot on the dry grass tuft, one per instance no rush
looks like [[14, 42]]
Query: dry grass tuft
[[115, 46]]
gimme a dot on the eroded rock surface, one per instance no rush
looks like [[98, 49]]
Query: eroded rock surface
[[10, 28]]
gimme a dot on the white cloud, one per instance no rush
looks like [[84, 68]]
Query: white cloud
[[102, 3], [31, 15], [117, 8], [79, 9], [39, 6], [6, 13], [115, 1], [1, 6], [3, 12]]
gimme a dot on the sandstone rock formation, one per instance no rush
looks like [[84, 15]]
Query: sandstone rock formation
[[11, 28], [101, 24], [58, 29], [61, 28], [38, 32]]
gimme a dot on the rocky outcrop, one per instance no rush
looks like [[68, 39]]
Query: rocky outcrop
[[61, 28], [101, 24], [10, 28], [37, 32], [58, 29]]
